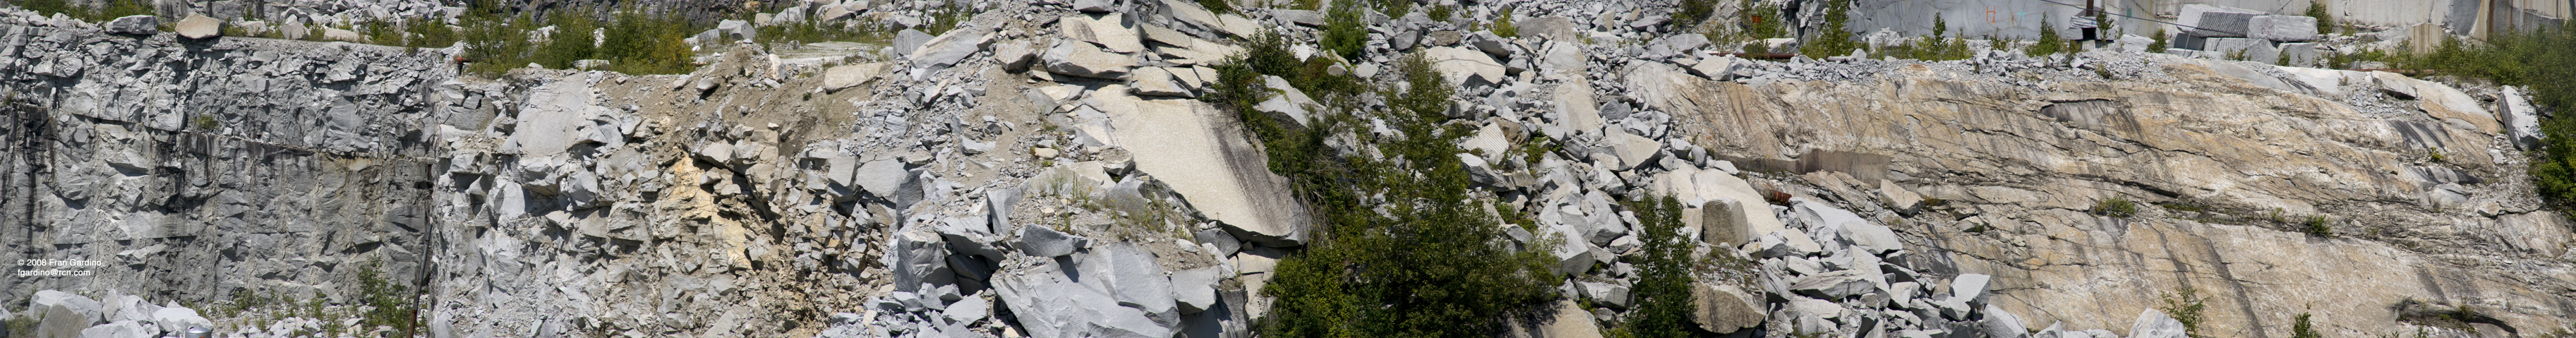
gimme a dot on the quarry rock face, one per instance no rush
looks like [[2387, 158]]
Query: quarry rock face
[[1072, 169]]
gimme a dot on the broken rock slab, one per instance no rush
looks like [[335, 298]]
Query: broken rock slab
[[1187, 145], [1464, 67], [1725, 308], [198, 26], [844, 77], [1083, 60], [2155, 324], [135, 24], [950, 48], [1041, 241]]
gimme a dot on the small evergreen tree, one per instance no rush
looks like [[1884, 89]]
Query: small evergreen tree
[[2158, 46], [1663, 291], [2325, 19], [1835, 39], [1345, 33], [2049, 42]]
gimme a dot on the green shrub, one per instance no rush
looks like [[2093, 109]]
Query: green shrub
[[1761, 19], [428, 33], [1427, 94], [388, 304], [1693, 12], [2543, 62], [2049, 42], [125, 8], [1503, 23], [1663, 289], [1442, 13], [1400, 249], [2325, 19], [1835, 39], [2158, 46], [51, 7], [634, 41], [206, 122], [1937, 47], [1217, 6], [2317, 225], [2301, 328], [2116, 206], [1345, 31], [571, 41], [2185, 305]]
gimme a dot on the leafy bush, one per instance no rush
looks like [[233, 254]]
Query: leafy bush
[[1693, 12], [635, 42], [1345, 31], [571, 41], [2158, 46], [2317, 225], [50, 7], [428, 33], [1401, 249], [2049, 42], [1503, 23], [2185, 305], [206, 122], [1761, 19], [125, 8], [1836, 38], [388, 304], [2325, 19], [1663, 291], [1938, 47], [2541, 61], [2116, 206]]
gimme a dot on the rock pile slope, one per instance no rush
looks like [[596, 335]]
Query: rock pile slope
[[1049, 169]]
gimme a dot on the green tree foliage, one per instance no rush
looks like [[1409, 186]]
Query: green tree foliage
[[2185, 305], [571, 40], [642, 43], [2325, 19], [634, 42], [389, 304], [2542, 61], [1663, 293], [1835, 39], [110, 10], [51, 7], [125, 8], [1693, 12], [1401, 249], [1503, 23], [1761, 20], [2158, 46], [2049, 42], [428, 33], [1345, 30]]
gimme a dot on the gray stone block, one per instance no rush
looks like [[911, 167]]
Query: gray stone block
[[918, 257], [1041, 241], [2302, 54], [1970, 288], [2230, 25], [2284, 28], [135, 24], [2154, 324], [2213, 16], [2242, 49]]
